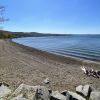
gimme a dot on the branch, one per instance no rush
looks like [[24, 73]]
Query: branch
[[2, 19], [2, 8]]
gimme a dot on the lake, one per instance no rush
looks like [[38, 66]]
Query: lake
[[81, 46]]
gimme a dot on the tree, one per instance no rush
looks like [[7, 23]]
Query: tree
[[4, 34], [2, 18]]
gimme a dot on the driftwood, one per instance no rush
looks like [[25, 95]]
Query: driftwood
[[91, 72]]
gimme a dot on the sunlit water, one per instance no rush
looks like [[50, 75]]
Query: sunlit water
[[81, 46]]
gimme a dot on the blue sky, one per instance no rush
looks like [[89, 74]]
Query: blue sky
[[53, 16]]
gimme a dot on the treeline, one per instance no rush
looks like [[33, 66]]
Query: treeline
[[5, 35], [8, 34]]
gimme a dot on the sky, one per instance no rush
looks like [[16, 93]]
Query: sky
[[53, 16]]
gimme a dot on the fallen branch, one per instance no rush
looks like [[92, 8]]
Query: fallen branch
[[91, 72]]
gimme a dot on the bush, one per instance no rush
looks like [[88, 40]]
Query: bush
[[4, 35]]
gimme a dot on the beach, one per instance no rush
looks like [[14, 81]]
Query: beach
[[22, 64]]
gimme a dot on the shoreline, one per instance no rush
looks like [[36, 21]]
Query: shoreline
[[58, 57], [22, 64]]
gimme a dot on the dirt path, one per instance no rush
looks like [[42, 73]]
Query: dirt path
[[19, 64]]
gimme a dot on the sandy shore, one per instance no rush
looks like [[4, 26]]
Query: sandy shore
[[21, 64]]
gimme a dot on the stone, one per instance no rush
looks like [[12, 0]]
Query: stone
[[32, 92], [66, 94], [83, 90], [57, 96], [75, 96], [95, 95], [5, 84], [4, 91], [27, 92], [41, 93], [47, 81], [19, 97], [25, 89]]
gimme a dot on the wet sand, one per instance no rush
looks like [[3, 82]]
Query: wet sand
[[22, 64]]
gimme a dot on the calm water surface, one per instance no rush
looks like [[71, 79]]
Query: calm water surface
[[81, 46]]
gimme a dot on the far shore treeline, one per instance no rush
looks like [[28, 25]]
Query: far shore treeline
[[5, 35], [8, 34]]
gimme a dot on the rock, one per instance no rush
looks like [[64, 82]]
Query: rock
[[75, 96], [42, 93], [79, 89], [32, 92], [57, 96], [24, 89], [95, 95], [5, 84], [66, 94], [4, 91], [83, 90], [26, 92], [19, 97], [47, 81]]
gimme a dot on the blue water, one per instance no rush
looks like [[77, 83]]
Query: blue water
[[81, 46]]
